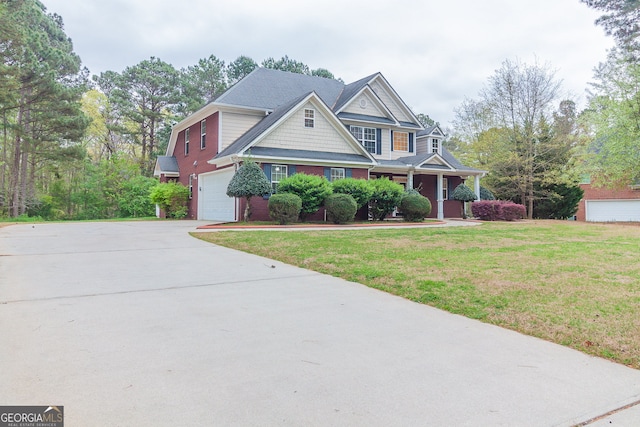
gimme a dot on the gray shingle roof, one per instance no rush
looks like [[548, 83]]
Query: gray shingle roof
[[350, 91], [168, 164], [284, 153], [266, 88], [365, 118]]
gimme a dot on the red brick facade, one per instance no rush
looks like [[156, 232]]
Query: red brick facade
[[602, 193]]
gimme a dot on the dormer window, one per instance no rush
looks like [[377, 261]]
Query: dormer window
[[435, 145]]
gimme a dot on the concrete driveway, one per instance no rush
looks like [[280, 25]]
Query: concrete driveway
[[139, 324]]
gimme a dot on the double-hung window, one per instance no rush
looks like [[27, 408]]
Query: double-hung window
[[203, 134], [366, 136], [337, 173], [191, 186], [278, 172], [435, 145], [445, 189], [400, 141], [186, 141], [309, 118]]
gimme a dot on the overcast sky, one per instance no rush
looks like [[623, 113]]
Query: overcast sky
[[434, 53]]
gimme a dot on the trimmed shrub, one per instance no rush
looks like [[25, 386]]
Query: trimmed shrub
[[172, 197], [312, 190], [497, 210], [248, 181], [463, 194], [513, 211], [415, 207], [359, 189], [486, 194], [341, 208], [386, 196], [284, 207]]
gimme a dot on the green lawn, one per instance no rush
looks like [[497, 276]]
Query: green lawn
[[572, 283]]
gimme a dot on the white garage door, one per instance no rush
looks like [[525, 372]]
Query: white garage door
[[613, 210], [213, 202]]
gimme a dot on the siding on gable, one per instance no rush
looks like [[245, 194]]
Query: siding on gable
[[293, 135], [422, 145], [390, 103], [234, 125], [369, 109]]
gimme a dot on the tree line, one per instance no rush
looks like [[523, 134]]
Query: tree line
[[75, 146], [534, 143]]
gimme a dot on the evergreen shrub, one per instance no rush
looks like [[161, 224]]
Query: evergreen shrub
[[415, 207], [312, 190], [359, 189], [284, 207], [341, 208], [386, 196]]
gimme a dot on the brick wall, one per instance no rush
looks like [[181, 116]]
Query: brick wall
[[603, 193]]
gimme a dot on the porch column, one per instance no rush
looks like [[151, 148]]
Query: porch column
[[410, 180], [439, 197], [476, 186]]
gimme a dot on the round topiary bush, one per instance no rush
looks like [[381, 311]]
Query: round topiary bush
[[341, 208], [415, 207], [284, 207]]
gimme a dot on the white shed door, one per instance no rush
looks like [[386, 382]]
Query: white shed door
[[214, 204], [613, 210]]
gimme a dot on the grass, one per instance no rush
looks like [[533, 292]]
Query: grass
[[575, 284]]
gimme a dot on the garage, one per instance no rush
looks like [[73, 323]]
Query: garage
[[213, 202], [613, 210]]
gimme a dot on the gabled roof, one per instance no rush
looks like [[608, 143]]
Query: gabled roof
[[351, 90], [444, 161], [431, 130]]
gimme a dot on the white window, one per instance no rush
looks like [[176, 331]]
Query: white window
[[366, 136], [278, 172], [445, 189], [190, 186], [435, 145], [309, 118], [186, 141], [400, 141], [337, 173], [203, 134]]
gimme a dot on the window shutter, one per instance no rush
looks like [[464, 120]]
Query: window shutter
[[292, 170], [266, 167], [327, 173], [348, 173], [411, 142], [391, 133], [378, 141]]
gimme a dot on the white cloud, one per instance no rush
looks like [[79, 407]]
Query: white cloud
[[434, 53]]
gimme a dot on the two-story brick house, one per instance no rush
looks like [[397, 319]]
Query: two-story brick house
[[291, 123]]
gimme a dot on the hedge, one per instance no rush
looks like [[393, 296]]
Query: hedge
[[497, 210]]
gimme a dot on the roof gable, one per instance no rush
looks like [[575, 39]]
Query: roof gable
[[392, 100], [278, 131]]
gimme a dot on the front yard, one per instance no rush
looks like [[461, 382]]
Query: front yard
[[575, 284]]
